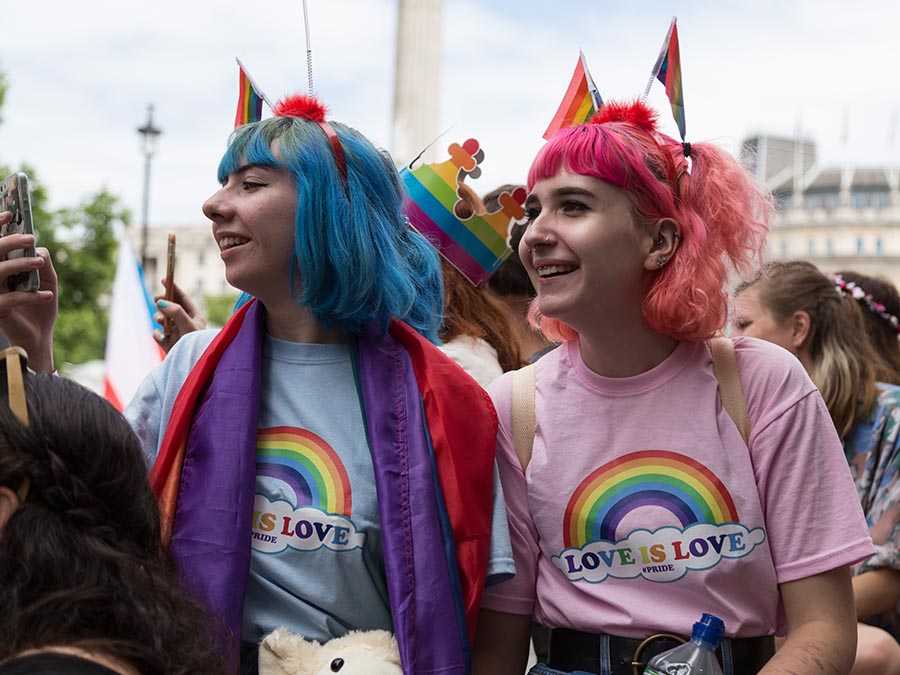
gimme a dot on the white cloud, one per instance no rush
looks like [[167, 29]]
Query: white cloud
[[665, 554], [278, 526]]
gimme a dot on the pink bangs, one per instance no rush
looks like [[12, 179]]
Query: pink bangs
[[721, 215]]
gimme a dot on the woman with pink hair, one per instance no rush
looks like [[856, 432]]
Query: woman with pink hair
[[638, 497]]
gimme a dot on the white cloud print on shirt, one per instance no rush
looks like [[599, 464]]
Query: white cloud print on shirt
[[278, 525], [663, 555]]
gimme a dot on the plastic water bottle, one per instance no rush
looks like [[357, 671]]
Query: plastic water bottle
[[697, 657]]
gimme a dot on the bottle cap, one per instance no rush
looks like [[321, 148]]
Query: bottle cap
[[709, 629]]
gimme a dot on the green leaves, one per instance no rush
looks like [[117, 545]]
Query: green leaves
[[82, 242], [218, 308], [84, 251]]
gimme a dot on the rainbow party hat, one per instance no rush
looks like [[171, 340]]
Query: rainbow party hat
[[474, 243]]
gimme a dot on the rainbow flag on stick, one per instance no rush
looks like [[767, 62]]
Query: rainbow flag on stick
[[581, 101], [667, 70], [250, 99]]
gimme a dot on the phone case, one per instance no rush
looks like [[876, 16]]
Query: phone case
[[15, 197]]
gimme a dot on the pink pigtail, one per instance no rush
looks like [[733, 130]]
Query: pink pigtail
[[724, 218], [722, 215]]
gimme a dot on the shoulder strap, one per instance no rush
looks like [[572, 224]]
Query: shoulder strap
[[726, 371], [523, 419]]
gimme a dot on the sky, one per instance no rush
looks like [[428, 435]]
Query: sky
[[81, 75]]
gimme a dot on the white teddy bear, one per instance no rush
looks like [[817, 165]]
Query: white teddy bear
[[357, 653]]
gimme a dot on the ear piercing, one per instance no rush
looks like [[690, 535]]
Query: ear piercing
[[662, 260]]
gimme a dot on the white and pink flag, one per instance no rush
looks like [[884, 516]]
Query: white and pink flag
[[131, 351]]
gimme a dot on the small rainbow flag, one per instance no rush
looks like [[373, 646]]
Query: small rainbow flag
[[668, 71], [581, 101], [250, 99]]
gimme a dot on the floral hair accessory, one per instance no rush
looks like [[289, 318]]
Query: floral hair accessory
[[859, 294]]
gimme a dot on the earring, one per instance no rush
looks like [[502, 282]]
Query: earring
[[662, 260]]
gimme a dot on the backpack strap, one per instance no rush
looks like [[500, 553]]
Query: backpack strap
[[523, 419], [724, 366], [730, 389]]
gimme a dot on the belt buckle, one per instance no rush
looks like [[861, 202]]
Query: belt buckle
[[636, 664]]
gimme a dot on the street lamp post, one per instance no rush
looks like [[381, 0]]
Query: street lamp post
[[149, 139]]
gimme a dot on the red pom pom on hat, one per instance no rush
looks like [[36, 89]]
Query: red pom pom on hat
[[300, 105], [637, 113]]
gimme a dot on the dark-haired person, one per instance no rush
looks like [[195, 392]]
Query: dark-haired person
[[84, 584], [819, 319], [640, 505], [319, 463], [880, 302]]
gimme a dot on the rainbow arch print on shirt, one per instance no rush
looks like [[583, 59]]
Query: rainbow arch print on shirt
[[308, 464], [660, 478]]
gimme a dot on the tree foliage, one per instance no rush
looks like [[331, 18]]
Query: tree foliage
[[219, 308], [84, 248], [82, 241]]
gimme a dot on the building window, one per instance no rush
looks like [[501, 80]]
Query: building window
[[782, 200], [870, 199], [811, 247], [829, 247], [821, 200], [879, 246], [201, 258], [860, 246], [150, 269], [783, 247]]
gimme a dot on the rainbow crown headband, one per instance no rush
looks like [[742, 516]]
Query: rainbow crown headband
[[474, 243]]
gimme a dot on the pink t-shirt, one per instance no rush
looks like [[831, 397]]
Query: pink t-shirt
[[642, 506]]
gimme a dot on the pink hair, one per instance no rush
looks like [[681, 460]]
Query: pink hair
[[721, 214]]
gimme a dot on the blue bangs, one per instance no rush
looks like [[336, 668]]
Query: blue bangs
[[358, 260], [250, 144]]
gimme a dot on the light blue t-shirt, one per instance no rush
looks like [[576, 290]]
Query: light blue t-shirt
[[316, 563]]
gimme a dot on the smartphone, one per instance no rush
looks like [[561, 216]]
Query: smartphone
[[168, 325], [15, 197]]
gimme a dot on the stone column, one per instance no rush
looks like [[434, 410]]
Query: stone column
[[417, 78]]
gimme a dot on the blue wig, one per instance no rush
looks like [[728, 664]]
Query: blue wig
[[358, 259]]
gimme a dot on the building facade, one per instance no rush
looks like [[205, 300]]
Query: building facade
[[835, 217], [199, 270]]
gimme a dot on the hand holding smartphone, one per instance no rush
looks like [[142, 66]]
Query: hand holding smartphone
[[168, 324], [15, 197]]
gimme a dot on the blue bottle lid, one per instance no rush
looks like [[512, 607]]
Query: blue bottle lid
[[709, 629]]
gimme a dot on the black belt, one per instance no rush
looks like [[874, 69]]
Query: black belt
[[574, 650]]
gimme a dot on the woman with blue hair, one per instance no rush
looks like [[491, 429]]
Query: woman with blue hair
[[319, 464]]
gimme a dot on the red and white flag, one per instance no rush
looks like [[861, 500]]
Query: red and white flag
[[131, 351]]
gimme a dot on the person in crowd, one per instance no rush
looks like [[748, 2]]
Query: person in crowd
[[84, 584], [512, 289], [880, 303], [819, 319], [634, 503], [320, 465], [475, 332]]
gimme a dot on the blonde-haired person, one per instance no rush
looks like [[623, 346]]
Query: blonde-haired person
[[816, 317]]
